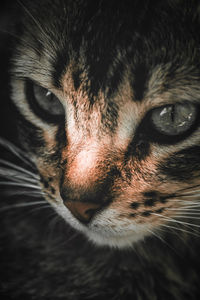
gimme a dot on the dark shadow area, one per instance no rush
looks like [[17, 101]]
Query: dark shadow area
[[7, 122], [7, 126]]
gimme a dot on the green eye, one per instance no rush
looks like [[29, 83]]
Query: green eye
[[174, 119]]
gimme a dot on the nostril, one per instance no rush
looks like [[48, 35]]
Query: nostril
[[83, 211], [90, 212]]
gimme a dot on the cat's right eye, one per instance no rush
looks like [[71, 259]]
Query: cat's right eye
[[44, 103], [170, 124], [174, 119]]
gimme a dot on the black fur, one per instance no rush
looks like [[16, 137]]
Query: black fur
[[41, 264], [183, 165]]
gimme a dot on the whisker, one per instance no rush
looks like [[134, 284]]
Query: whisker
[[188, 194], [195, 206], [188, 211], [20, 205], [190, 204], [181, 229], [176, 221], [36, 209], [18, 152], [71, 235], [18, 178], [157, 236], [185, 224], [153, 233], [188, 188], [191, 196], [15, 167], [187, 208], [52, 224], [165, 230], [20, 184], [177, 233], [186, 201], [24, 192], [41, 207], [188, 217], [162, 240]]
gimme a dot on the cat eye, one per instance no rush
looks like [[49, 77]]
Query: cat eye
[[169, 124], [174, 119], [44, 103]]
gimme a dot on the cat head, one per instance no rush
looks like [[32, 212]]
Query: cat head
[[109, 110]]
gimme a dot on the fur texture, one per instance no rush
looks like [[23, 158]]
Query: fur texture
[[106, 100]]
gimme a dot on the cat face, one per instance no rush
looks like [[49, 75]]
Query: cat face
[[109, 112]]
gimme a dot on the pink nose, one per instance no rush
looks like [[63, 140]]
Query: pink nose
[[83, 211]]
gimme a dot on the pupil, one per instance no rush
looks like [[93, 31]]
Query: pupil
[[172, 113]]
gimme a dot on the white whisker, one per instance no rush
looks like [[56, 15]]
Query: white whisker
[[15, 167], [188, 212], [157, 236], [188, 217], [19, 178], [187, 202], [20, 184], [192, 208], [191, 196], [160, 238], [180, 229], [189, 193], [18, 152], [24, 192], [176, 221], [188, 189], [20, 205], [188, 206], [40, 208]]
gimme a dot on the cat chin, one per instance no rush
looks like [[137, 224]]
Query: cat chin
[[120, 242], [107, 229]]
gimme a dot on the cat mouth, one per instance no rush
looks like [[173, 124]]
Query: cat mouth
[[104, 231], [107, 229]]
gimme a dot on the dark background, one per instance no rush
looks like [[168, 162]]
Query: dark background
[[7, 117], [7, 40]]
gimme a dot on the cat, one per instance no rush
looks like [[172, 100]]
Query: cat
[[106, 101]]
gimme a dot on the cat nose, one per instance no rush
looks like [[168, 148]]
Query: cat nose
[[83, 211]]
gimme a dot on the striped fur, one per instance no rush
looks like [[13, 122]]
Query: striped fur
[[110, 64]]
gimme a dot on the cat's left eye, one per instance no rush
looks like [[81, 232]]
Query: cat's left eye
[[44, 103], [174, 119]]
